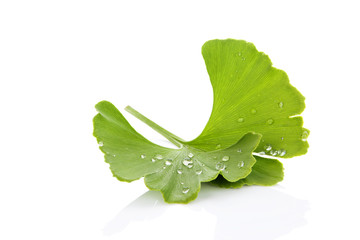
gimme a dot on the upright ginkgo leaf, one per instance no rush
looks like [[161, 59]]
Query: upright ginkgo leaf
[[251, 95], [177, 173]]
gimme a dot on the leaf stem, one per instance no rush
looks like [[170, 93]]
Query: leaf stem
[[168, 135]]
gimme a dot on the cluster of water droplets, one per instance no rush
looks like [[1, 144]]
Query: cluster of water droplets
[[188, 162], [269, 150]]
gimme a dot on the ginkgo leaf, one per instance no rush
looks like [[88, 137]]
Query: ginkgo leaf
[[251, 95], [266, 172], [177, 173]]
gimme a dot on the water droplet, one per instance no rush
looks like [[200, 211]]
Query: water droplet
[[114, 155], [101, 144], [185, 190], [270, 121], [158, 156], [190, 155], [179, 171], [267, 147], [153, 160], [239, 150], [239, 53], [273, 152], [218, 146], [225, 158], [203, 165], [240, 120], [168, 162], [243, 58], [220, 166], [241, 164], [253, 111], [304, 135], [198, 172], [182, 183], [164, 167], [188, 162], [143, 156], [282, 152], [281, 104], [282, 138], [262, 153]]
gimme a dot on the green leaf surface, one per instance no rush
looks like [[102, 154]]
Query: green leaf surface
[[177, 173], [251, 95], [266, 172]]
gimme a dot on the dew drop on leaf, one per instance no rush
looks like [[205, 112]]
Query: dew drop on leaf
[[218, 146], [179, 171], [281, 104], [304, 135], [240, 120], [241, 164], [270, 121], [185, 190], [282, 152], [239, 53], [101, 144], [153, 160], [225, 158], [190, 155], [262, 153], [282, 138], [273, 152], [239, 150], [220, 166], [158, 156], [198, 172], [168, 162], [267, 147], [143, 156]]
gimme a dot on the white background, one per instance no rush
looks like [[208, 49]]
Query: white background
[[59, 58]]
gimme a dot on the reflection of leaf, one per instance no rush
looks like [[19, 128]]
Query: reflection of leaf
[[177, 173]]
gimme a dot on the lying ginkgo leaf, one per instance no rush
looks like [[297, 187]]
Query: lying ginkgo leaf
[[265, 172], [177, 173], [250, 96]]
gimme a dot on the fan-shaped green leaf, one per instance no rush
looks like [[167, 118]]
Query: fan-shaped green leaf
[[265, 172], [177, 173], [251, 95]]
